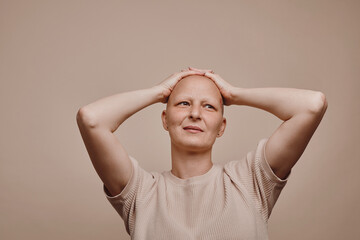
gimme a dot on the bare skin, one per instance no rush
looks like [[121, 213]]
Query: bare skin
[[196, 101], [99, 120], [301, 111]]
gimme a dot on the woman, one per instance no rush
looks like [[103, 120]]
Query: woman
[[197, 199]]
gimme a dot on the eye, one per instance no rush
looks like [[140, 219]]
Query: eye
[[183, 102], [210, 106]]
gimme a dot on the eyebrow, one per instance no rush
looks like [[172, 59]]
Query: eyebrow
[[202, 99], [205, 99]]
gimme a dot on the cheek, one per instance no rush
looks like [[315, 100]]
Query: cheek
[[214, 121], [216, 126], [176, 116]]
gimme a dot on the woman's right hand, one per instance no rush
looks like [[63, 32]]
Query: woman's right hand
[[169, 83]]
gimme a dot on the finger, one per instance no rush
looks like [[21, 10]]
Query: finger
[[190, 72], [203, 70], [198, 69], [209, 74]]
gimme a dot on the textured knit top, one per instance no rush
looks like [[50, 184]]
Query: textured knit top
[[230, 201]]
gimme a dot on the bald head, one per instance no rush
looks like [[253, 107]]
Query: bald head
[[200, 87]]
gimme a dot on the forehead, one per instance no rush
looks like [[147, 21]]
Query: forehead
[[196, 86]]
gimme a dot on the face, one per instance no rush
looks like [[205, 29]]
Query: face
[[194, 101]]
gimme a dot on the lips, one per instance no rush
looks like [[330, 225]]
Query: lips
[[194, 128]]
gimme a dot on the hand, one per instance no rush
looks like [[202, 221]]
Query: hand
[[226, 89], [201, 70], [169, 83]]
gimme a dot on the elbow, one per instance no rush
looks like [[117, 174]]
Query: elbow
[[319, 103], [84, 117]]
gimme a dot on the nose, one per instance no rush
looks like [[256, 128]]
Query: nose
[[195, 112]]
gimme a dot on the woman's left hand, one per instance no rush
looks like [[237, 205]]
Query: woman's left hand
[[226, 89]]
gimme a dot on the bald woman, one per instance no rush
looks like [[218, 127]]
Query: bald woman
[[197, 198]]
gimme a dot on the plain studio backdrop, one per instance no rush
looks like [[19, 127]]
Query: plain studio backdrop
[[57, 56]]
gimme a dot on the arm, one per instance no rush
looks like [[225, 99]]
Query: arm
[[99, 120], [301, 110], [110, 112]]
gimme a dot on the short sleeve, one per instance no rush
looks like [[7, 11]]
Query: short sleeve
[[254, 174], [126, 201]]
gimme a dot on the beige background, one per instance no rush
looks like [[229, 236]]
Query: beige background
[[56, 56]]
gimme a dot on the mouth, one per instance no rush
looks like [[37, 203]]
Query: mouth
[[193, 129]]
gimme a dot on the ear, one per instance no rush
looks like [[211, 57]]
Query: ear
[[222, 128], [163, 119]]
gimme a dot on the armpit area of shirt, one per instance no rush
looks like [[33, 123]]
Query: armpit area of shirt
[[265, 164], [122, 195]]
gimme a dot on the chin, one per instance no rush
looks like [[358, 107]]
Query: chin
[[194, 146], [192, 143]]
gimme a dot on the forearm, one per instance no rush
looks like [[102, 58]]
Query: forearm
[[282, 102], [110, 112]]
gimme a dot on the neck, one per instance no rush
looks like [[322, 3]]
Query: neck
[[190, 163]]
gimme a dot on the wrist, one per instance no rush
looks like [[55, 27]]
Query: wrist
[[236, 94], [159, 93]]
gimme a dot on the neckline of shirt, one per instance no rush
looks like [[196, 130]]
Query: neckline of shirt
[[192, 180]]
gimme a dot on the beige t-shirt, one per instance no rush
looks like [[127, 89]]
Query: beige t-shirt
[[230, 201]]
